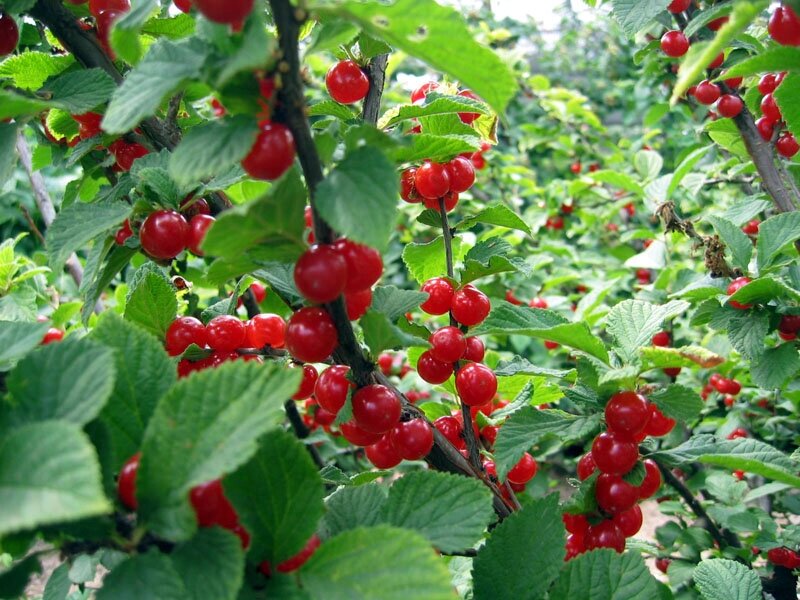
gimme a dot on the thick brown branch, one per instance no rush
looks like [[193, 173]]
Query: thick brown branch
[[376, 72]]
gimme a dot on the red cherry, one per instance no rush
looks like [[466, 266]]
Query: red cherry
[[787, 145], [451, 428], [627, 414], [185, 6], [575, 546], [364, 265], [678, 6], [307, 384], [358, 436], [357, 303], [407, 190], [629, 521], [734, 82], [652, 480], [489, 433], [461, 173], [614, 454], [707, 92], [126, 482], [123, 233], [614, 494], [575, 523], [412, 439], [586, 466], [9, 34], [440, 296], [332, 387], [643, 275], [717, 24], [88, 124], [126, 154], [448, 344], [191, 207], [538, 303], [432, 180], [659, 424], [728, 386], [662, 564], [674, 44], [789, 324], [662, 339], [555, 223], [717, 62], [211, 507], [433, 371], [730, 106], [386, 363], [450, 202], [784, 26], [468, 117], [784, 557], [524, 470], [299, 559], [383, 454], [273, 151], [346, 82], [226, 333], [751, 227], [320, 274], [576, 167], [198, 227], [470, 306], [226, 12], [766, 128], [476, 384], [98, 6], [734, 287], [266, 329], [475, 349], [478, 161], [164, 234], [605, 535], [183, 332], [767, 84], [376, 408], [739, 432], [311, 335], [769, 108], [422, 91]]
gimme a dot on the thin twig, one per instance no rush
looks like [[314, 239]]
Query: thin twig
[[32, 224]]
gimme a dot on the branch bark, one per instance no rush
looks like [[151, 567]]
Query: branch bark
[[376, 73]]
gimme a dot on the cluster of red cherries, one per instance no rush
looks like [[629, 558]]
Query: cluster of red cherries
[[629, 419], [771, 121]]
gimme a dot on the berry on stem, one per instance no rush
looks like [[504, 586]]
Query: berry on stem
[[126, 481], [226, 333], [183, 332], [674, 44], [412, 439], [707, 92], [476, 384], [198, 227], [734, 287], [332, 388], [272, 153], [627, 414], [470, 306], [614, 454], [307, 383], [164, 234], [432, 180], [784, 26], [614, 494], [9, 34], [320, 274], [440, 296], [376, 408], [227, 12], [266, 330], [383, 454], [448, 344], [311, 335], [364, 265], [433, 371], [730, 106]]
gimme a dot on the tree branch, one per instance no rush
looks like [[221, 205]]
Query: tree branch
[[376, 73]]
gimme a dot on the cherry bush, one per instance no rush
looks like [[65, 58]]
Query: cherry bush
[[370, 300]]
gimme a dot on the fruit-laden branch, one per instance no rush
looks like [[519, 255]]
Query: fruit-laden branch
[[444, 456]]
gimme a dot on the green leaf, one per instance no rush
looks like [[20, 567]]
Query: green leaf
[[507, 319], [747, 330], [451, 511], [212, 148], [528, 426], [211, 565], [633, 15], [164, 68], [30, 70], [19, 338], [381, 334], [440, 148], [618, 180], [78, 382], [119, 258], [8, 151], [686, 356], [739, 244], [58, 585], [124, 36], [278, 496], [48, 474], [723, 579], [354, 506], [253, 53], [519, 365], [633, 323], [434, 104], [80, 91], [774, 234], [678, 402], [14, 580], [749, 455], [523, 555], [774, 366], [774, 58], [149, 575], [489, 257], [761, 291], [329, 108], [428, 260], [394, 302], [78, 224], [725, 133], [745, 210], [702, 17], [437, 35], [134, 398], [358, 198], [376, 562], [151, 301], [605, 575], [499, 215], [786, 96], [206, 426], [16, 105]]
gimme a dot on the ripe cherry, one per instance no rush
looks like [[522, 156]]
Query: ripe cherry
[[470, 306], [383, 454], [266, 329], [9, 34], [717, 24], [433, 371], [296, 561], [475, 349], [450, 200], [524, 470], [767, 84], [769, 108], [629, 521], [126, 482], [707, 92], [659, 424], [678, 6], [627, 414], [123, 233], [728, 386], [575, 546], [448, 344], [468, 117], [734, 287], [789, 324], [575, 523], [226, 333], [717, 62], [662, 564], [451, 428], [652, 480], [211, 507], [126, 153], [730, 106], [739, 432], [751, 227], [784, 26], [674, 44], [432, 180], [164, 234], [555, 223], [422, 91], [332, 388], [185, 6], [357, 303], [273, 151], [198, 227], [226, 12], [614, 494], [440, 296], [311, 335], [489, 434], [614, 454], [183, 332], [662, 339], [88, 124], [605, 535], [461, 174], [407, 190], [358, 436], [412, 439], [787, 145], [586, 466], [52, 335], [376, 408], [476, 384], [766, 128], [364, 265], [307, 383], [346, 82], [784, 557], [320, 274]]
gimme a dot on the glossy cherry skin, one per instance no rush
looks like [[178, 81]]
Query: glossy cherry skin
[[164, 234], [461, 173], [525, 470], [266, 329], [450, 427], [307, 383], [332, 388], [766, 128], [767, 84], [358, 436], [659, 424], [346, 82], [226, 333], [707, 92], [296, 561], [475, 349], [652, 480], [126, 154], [9, 34], [784, 557], [422, 91], [432, 180], [211, 507], [730, 106], [88, 124], [98, 6], [614, 494], [784, 26], [627, 414], [383, 454], [407, 190], [770, 109], [440, 298], [320, 274], [126, 482], [662, 339], [674, 44], [433, 371], [586, 466], [787, 145], [575, 523], [734, 287], [52, 335], [470, 306], [183, 332], [614, 454], [605, 535], [273, 152], [198, 227], [185, 6], [123, 233], [678, 6], [448, 344], [476, 384], [376, 408], [357, 303], [364, 265], [226, 12], [629, 522], [412, 439], [311, 335]]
